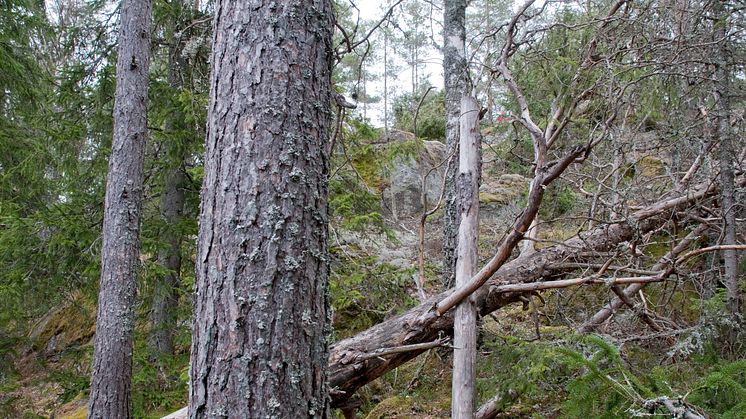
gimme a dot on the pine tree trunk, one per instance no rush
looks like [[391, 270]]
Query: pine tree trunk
[[261, 317], [112, 360], [454, 72]]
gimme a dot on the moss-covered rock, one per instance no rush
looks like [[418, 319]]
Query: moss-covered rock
[[503, 189], [650, 166], [71, 324]]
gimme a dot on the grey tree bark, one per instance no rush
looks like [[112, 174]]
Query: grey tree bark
[[454, 74], [111, 379], [727, 155], [465, 318], [261, 317]]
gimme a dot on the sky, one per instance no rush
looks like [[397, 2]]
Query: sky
[[373, 10]]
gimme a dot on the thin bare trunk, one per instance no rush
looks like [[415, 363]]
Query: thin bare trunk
[[727, 155], [465, 319], [386, 84]]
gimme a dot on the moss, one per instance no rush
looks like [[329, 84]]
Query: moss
[[392, 407], [72, 324], [76, 409], [557, 232], [81, 413], [420, 388], [650, 166], [491, 198], [416, 389]]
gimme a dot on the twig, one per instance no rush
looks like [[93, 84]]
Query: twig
[[402, 349], [417, 111], [427, 213]]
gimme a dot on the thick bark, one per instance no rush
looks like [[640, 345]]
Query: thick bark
[[261, 316], [465, 321], [112, 360], [454, 74], [350, 367]]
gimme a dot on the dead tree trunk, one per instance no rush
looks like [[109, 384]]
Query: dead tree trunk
[[454, 74], [465, 321], [111, 379], [261, 318]]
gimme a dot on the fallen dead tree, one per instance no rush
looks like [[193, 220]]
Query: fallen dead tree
[[626, 295], [350, 364]]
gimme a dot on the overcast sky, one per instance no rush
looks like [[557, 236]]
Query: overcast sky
[[373, 10]]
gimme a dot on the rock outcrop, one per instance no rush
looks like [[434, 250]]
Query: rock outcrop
[[402, 195]]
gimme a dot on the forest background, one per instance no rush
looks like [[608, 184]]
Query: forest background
[[653, 93]]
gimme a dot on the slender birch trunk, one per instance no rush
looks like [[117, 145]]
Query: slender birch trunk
[[454, 73]]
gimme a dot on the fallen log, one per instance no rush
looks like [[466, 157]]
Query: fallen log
[[350, 368]]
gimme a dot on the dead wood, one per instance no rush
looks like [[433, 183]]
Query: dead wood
[[348, 367]]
